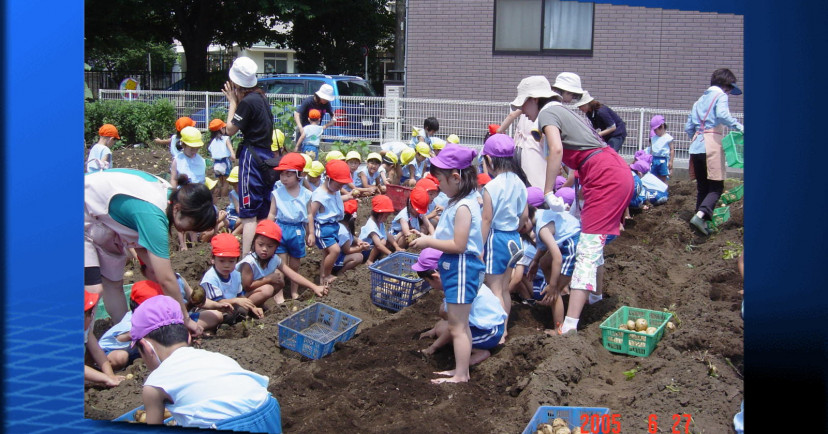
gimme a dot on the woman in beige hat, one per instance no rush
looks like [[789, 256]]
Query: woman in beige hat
[[604, 177], [568, 86], [249, 112]]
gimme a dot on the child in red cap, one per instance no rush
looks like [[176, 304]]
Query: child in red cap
[[413, 216], [308, 141], [105, 375], [289, 208], [222, 285], [262, 271], [350, 249], [223, 155], [326, 210], [374, 232], [100, 156]]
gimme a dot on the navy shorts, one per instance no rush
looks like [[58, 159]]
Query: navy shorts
[[254, 196], [293, 240], [484, 339], [327, 234], [567, 249], [222, 166]]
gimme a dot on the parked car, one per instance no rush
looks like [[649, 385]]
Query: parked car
[[355, 118]]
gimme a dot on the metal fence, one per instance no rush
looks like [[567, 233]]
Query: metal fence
[[384, 119]]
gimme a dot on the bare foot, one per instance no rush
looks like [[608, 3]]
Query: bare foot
[[478, 356], [428, 351], [327, 280], [503, 339], [452, 379], [279, 297], [294, 295]]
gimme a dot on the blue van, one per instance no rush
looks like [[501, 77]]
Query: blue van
[[358, 119]]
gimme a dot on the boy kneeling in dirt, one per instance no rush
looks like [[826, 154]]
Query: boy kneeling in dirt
[[200, 388], [487, 319]]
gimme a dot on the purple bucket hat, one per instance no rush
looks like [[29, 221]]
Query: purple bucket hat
[[534, 196], [567, 194], [454, 156], [655, 122], [559, 181], [499, 145], [155, 313], [640, 166], [427, 260]]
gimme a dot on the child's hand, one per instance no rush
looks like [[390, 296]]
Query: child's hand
[[311, 239], [548, 296], [114, 380], [421, 242], [320, 290], [276, 279], [364, 246]]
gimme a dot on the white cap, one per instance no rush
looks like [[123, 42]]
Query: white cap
[[536, 86], [243, 72], [568, 81], [585, 98], [326, 92]]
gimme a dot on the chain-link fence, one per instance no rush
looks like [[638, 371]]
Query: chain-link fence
[[384, 119]]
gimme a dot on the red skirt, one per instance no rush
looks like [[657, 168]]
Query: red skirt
[[607, 185]]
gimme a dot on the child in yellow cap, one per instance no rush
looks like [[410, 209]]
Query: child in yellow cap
[[420, 166], [188, 166], [368, 176], [313, 179]]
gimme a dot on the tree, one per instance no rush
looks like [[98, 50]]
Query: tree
[[328, 36], [112, 25]]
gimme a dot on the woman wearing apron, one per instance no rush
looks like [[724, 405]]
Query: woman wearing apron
[[126, 208], [705, 125], [605, 179]]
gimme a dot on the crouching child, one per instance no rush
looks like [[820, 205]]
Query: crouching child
[[200, 388]]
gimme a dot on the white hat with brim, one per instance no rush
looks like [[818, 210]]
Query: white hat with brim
[[536, 86], [326, 92], [243, 72], [568, 81], [586, 98]]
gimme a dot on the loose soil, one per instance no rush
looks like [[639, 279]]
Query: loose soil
[[379, 382]]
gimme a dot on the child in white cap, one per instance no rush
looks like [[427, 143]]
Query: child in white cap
[[200, 388]]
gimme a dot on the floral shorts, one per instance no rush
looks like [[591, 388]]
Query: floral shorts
[[588, 256]]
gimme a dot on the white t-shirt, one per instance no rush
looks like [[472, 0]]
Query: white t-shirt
[[207, 387], [95, 161]]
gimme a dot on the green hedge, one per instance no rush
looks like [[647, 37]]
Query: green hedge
[[137, 122]]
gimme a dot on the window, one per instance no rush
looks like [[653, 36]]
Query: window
[[543, 26], [275, 63], [354, 88]]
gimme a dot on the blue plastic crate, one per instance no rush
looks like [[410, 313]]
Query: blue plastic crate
[[130, 417], [572, 416], [313, 331], [389, 288]]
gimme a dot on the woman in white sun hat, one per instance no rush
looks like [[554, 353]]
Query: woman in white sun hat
[[321, 100], [604, 177], [249, 112], [568, 86]]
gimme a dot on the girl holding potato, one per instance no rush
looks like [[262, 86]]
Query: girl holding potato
[[458, 236], [125, 208]]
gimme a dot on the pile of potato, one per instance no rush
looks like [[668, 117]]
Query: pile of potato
[[558, 426], [140, 416]]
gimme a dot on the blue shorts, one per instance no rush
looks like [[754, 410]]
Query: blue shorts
[[484, 339], [311, 148], [131, 352], [496, 251], [267, 418], [232, 219], [567, 249], [659, 166], [222, 166], [537, 286], [461, 276], [327, 234], [340, 261], [293, 240], [254, 196]]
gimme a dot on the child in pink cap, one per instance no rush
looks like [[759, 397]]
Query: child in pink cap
[[661, 149], [458, 236], [200, 388]]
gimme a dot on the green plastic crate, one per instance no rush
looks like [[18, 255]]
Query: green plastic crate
[[734, 149], [733, 194], [630, 342], [721, 215]]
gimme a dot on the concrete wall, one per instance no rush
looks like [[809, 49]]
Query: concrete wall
[[642, 57]]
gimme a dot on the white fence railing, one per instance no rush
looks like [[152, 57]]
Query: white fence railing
[[383, 119]]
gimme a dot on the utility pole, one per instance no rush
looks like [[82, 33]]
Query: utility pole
[[399, 38]]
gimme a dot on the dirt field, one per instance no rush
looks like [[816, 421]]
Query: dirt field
[[378, 381]]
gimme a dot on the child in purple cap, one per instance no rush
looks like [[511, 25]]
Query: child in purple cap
[[487, 319], [200, 388], [458, 236], [504, 211], [661, 149]]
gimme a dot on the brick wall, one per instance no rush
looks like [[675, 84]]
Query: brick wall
[[642, 57]]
